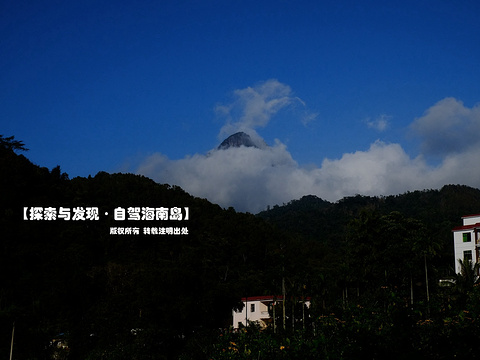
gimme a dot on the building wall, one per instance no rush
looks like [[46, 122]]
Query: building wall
[[260, 312], [471, 220], [463, 248]]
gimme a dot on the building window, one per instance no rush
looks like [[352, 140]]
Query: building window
[[252, 307], [467, 255], [467, 237]]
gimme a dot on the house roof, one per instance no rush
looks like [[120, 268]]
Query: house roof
[[469, 216], [466, 227], [262, 298], [265, 298]]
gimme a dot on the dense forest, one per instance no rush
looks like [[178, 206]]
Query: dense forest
[[103, 286]]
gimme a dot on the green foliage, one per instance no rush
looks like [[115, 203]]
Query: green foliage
[[377, 331]]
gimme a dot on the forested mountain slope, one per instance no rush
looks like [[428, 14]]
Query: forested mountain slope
[[439, 210], [81, 278], [158, 287]]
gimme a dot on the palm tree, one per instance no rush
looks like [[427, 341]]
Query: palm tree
[[466, 279], [468, 276]]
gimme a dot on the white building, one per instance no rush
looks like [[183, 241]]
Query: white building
[[258, 309], [466, 240]]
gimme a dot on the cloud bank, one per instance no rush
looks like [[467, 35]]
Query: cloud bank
[[249, 178]]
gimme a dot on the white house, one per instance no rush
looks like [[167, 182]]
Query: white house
[[466, 239], [258, 309]]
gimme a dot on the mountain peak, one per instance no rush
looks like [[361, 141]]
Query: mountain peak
[[236, 140]]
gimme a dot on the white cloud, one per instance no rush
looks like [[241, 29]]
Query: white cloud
[[253, 107], [244, 177], [448, 127], [380, 123], [250, 178], [308, 118]]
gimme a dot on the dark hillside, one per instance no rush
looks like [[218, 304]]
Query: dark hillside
[[153, 288], [312, 217], [77, 278], [439, 210]]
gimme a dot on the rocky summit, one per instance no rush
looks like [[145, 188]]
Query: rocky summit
[[236, 140]]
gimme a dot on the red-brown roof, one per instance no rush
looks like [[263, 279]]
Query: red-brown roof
[[265, 297], [466, 227], [469, 216]]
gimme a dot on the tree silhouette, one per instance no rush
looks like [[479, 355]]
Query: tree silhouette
[[10, 144]]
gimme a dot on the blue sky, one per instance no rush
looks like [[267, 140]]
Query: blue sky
[[369, 97]]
